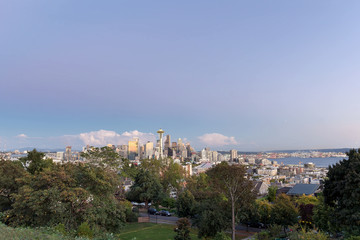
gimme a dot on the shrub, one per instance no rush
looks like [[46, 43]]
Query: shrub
[[84, 230]]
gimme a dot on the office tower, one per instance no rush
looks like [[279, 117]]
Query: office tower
[[133, 148], [161, 132], [68, 153], [233, 155], [167, 142], [60, 155], [122, 150], [149, 149]]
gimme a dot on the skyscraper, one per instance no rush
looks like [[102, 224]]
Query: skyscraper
[[167, 142], [149, 149], [68, 153], [233, 155], [133, 148]]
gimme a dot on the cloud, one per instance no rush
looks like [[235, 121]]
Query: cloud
[[217, 139], [104, 137], [95, 138], [22, 136]]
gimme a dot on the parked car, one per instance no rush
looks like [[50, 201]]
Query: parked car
[[152, 211], [165, 213], [256, 225]]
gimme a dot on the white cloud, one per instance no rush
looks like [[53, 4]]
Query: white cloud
[[104, 137], [217, 139], [22, 136]]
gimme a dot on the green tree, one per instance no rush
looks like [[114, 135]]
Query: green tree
[[284, 211], [10, 171], [211, 217], [342, 192], [231, 181], [128, 170], [68, 194], [185, 204], [199, 186], [324, 217], [264, 209], [182, 229], [103, 157], [306, 199], [172, 177], [271, 194], [35, 162], [146, 188]]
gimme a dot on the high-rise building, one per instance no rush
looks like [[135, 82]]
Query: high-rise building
[[233, 155], [133, 148], [67, 156], [122, 150], [167, 142], [149, 149]]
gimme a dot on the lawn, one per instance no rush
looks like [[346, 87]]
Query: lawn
[[150, 231], [27, 234]]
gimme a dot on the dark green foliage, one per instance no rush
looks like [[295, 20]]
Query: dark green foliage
[[284, 211], [185, 204], [230, 181], [343, 193], [324, 217], [69, 194], [35, 162], [10, 171], [146, 188], [271, 194], [103, 157], [168, 202], [172, 177], [182, 229], [212, 216], [84, 230], [271, 233], [221, 236], [306, 213]]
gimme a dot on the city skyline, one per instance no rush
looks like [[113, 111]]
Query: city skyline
[[251, 76]]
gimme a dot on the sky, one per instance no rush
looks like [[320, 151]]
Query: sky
[[246, 75]]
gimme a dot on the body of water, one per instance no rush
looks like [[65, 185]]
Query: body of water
[[319, 162]]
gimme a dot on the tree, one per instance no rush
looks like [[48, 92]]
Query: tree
[[264, 209], [185, 204], [306, 199], [231, 181], [103, 157], [284, 211], [146, 188], [323, 217], [172, 177], [211, 217], [182, 229], [342, 192], [10, 171], [271, 194], [35, 162], [68, 194]]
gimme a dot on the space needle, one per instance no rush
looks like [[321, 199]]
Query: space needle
[[161, 132]]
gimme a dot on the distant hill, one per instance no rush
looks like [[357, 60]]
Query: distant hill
[[42, 149], [291, 151]]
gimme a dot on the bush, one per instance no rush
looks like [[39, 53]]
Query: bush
[[131, 216], [60, 228], [222, 236], [84, 230]]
